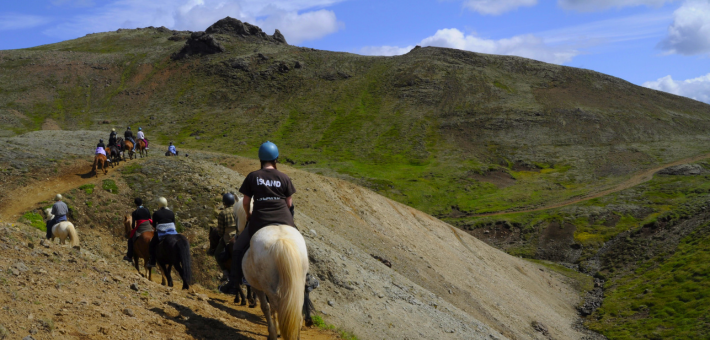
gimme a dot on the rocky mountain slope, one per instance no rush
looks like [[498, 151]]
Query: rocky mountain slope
[[450, 132], [442, 282]]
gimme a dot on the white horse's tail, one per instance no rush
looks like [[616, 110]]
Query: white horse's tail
[[291, 287], [73, 235]]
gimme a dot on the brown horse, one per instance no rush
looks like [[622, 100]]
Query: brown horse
[[140, 246], [128, 146], [141, 148], [100, 160]]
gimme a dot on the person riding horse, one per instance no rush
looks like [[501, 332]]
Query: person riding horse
[[226, 225], [141, 217], [271, 191], [59, 210], [128, 135], [171, 150], [141, 136], [101, 149], [112, 138], [164, 223]]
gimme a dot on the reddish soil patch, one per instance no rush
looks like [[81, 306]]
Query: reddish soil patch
[[499, 178], [50, 124]]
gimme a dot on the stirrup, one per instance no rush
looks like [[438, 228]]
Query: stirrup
[[150, 265]]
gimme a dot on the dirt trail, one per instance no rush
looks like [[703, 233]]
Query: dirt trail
[[635, 180], [24, 198]]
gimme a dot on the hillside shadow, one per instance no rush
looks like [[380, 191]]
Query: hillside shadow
[[253, 318], [204, 328]]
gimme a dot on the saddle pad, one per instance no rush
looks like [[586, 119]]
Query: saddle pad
[[143, 227]]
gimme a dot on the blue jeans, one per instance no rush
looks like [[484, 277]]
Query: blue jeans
[[52, 222]]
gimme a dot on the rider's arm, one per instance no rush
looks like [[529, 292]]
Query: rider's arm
[[247, 204], [289, 201]]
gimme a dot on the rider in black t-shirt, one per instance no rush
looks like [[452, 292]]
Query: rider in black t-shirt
[[141, 214], [271, 191]]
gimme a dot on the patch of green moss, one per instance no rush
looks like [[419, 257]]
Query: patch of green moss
[[110, 186], [34, 219], [320, 323], [88, 188], [668, 300], [131, 168]]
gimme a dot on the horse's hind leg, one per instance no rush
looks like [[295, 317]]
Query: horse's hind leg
[[240, 295], [265, 308], [168, 274], [164, 273], [251, 296], [179, 268]]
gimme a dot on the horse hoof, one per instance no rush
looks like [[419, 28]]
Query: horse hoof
[[244, 303]]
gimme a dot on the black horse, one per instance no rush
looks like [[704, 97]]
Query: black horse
[[115, 155], [225, 263], [174, 250]]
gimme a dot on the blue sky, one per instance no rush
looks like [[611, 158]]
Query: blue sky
[[662, 44]]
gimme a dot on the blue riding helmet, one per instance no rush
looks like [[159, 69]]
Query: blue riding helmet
[[268, 152], [140, 129]]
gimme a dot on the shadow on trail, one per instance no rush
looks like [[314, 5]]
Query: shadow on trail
[[201, 327], [87, 175], [253, 318]]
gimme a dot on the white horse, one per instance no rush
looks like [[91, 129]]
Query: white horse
[[62, 230], [275, 266], [242, 214]]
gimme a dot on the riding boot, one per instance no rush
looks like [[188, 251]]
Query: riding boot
[[129, 253], [152, 250], [50, 224]]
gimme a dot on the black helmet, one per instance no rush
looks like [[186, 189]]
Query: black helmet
[[128, 128], [101, 140], [228, 199]]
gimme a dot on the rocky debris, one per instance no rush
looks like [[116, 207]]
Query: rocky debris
[[539, 327], [199, 43], [683, 170], [593, 299], [238, 28], [134, 287], [384, 261], [129, 312]]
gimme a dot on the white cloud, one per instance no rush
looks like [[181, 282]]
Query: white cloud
[[596, 5], [299, 27], [495, 7], [528, 46], [690, 32], [12, 21], [696, 88], [291, 17]]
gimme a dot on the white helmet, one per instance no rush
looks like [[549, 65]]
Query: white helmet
[[58, 197], [162, 202]]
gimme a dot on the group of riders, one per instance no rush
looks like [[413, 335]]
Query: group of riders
[[269, 189], [113, 140]]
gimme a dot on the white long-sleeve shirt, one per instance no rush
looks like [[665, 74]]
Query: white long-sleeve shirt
[[141, 135]]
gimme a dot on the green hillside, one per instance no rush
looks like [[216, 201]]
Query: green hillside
[[453, 133], [450, 132]]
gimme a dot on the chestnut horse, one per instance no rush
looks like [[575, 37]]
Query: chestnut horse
[[141, 148], [100, 160], [128, 146], [140, 246]]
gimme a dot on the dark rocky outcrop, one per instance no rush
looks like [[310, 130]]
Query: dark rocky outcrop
[[238, 28], [682, 170], [199, 43]]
